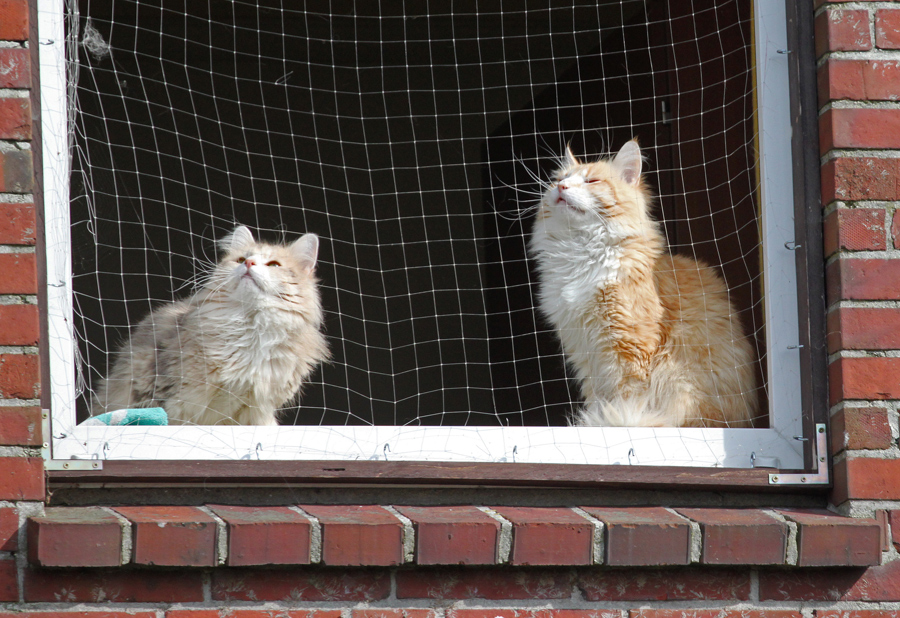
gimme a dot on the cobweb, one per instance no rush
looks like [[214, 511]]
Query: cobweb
[[410, 136]]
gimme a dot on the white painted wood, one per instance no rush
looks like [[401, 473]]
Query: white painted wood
[[56, 169], [776, 195], [623, 446]]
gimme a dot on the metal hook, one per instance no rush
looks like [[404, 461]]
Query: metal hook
[[630, 455], [258, 449], [783, 51], [795, 347], [792, 246], [515, 450], [386, 450]]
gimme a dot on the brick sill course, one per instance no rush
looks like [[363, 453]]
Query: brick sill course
[[387, 536]]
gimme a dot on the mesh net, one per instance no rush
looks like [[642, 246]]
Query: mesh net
[[410, 136]]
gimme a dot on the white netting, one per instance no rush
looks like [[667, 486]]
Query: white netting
[[408, 136]]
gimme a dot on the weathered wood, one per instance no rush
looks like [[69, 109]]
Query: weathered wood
[[414, 473]]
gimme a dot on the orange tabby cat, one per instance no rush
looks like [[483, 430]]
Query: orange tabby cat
[[651, 336]]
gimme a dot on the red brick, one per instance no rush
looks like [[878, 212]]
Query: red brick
[[867, 478], [534, 613], [879, 583], [644, 536], [112, 586], [863, 279], [172, 535], [251, 613], [859, 128], [359, 535], [484, 583], [15, 118], [75, 537], [860, 428], [860, 178], [76, 614], [894, 519], [549, 536], [856, 229], [719, 584], [17, 223], [714, 613], [827, 539], [887, 28], [22, 478], [856, 613], [895, 229], [18, 324], [394, 613], [864, 378], [9, 529], [20, 426], [739, 536], [453, 534], [15, 67], [859, 80], [9, 584], [309, 584], [16, 171], [20, 376], [862, 229], [838, 79], [265, 535], [842, 30], [863, 328], [13, 20], [17, 273]]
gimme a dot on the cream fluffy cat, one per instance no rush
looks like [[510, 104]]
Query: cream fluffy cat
[[235, 351], [651, 336]]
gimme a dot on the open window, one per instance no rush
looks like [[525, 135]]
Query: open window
[[409, 137]]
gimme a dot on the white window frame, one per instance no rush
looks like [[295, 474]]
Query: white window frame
[[776, 446]]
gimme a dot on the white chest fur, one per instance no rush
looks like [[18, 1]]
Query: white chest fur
[[574, 263]]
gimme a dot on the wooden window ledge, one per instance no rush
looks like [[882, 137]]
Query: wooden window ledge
[[393, 536]]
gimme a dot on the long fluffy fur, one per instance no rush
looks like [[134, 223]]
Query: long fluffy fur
[[651, 337], [234, 352]]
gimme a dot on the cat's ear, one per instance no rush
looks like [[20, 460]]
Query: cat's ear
[[571, 159], [237, 240], [306, 249], [628, 162]]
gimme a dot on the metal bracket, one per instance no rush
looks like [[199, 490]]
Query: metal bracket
[[820, 477], [61, 464]]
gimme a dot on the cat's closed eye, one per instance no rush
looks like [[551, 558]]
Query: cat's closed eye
[[274, 263]]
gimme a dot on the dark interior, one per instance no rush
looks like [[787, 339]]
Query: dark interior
[[408, 139]]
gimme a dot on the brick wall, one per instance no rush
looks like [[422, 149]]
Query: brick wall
[[373, 566], [859, 138]]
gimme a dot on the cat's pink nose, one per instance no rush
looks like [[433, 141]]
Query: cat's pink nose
[[249, 262], [562, 187]]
